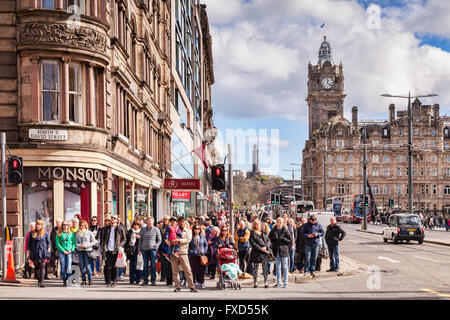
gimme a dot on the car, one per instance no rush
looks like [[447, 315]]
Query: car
[[404, 227]]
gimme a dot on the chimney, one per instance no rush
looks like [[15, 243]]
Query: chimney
[[435, 113], [355, 116], [392, 113]]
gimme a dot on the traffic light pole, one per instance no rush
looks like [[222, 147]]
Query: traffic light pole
[[3, 146], [230, 188], [365, 176]]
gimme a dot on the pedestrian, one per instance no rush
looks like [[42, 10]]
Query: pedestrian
[[198, 248], [132, 251], [28, 267], [65, 243], [150, 239], [333, 236], [182, 259], [173, 232], [260, 253], [38, 251], [121, 271], [293, 232], [114, 239], [312, 231], [54, 252], [224, 239], [281, 243], [241, 238], [212, 251], [447, 225], [300, 246], [97, 232], [75, 259], [85, 240], [166, 267]]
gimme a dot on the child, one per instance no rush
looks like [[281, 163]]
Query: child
[[172, 232]]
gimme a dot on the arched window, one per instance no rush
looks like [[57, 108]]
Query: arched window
[[447, 190]]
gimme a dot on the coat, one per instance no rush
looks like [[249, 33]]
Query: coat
[[39, 247], [242, 237], [65, 242], [223, 243], [281, 243], [120, 238], [212, 249], [184, 241], [301, 241], [258, 241], [130, 250], [309, 228], [202, 247], [87, 238], [334, 234]]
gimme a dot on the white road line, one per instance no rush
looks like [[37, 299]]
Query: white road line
[[388, 259], [390, 250], [353, 241], [428, 259], [371, 245]]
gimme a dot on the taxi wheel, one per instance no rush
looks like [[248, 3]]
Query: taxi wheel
[[395, 240], [420, 241], [385, 240]]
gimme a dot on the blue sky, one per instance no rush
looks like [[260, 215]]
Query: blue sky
[[262, 48]]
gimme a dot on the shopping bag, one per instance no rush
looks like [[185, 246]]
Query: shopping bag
[[140, 262], [121, 259]]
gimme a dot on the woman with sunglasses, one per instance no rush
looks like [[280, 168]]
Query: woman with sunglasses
[[38, 251], [97, 232], [65, 243], [224, 239], [197, 247]]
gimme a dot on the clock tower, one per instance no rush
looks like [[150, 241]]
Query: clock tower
[[325, 89]]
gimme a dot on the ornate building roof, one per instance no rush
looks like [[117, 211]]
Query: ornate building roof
[[324, 52]]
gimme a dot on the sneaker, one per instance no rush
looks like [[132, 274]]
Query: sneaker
[[193, 289], [331, 270], [197, 284], [285, 285], [313, 275], [177, 290], [255, 286], [153, 283], [113, 285], [277, 285], [266, 285], [121, 278], [203, 286]]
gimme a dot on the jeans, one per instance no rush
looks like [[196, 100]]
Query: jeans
[[110, 266], [135, 275], [291, 260], [198, 271], [282, 262], [66, 265], [311, 253], [243, 260], [149, 255], [85, 267], [333, 251], [97, 264]]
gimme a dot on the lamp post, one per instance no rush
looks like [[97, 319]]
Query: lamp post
[[410, 182]]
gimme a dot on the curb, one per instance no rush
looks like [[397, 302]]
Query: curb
[[298, 278], [425, 240]]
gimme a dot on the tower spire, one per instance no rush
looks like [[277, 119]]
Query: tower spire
[[325, 52]]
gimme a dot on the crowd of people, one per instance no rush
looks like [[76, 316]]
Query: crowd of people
[[182, 251]]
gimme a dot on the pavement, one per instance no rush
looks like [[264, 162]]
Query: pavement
[[433, 237], [348, 267]]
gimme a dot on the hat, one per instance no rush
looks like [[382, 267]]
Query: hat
[[312, 217], [173, 219]]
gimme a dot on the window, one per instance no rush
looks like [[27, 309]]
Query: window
[[447, 190], [75, 111], [341, 158], [340, 172], [375, 189], [50, 90], [399, 189], [399, 171], [400, 132], [375, 158], [47, 4], [340, 143], [350, 172], [399, 158], [424, 144], [446, 172], [330, 171], [421, 172], [330, 158], [387, 172], [78, 6], [434, 158], [386, 158], [375, 172], [375, 143], [434, 189], [350, 158], [433, 133], [385, 189]]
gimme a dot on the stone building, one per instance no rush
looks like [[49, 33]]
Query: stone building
[[88, 100], [333, 154]]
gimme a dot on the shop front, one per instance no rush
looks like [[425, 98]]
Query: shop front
[[61, 192]]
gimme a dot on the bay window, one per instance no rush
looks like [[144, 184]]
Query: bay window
[[50, 90], [75, 107]]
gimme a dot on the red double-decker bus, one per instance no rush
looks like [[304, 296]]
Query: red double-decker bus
[[353, 208]]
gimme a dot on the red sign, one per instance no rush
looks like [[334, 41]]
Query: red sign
[[182, 184], [181, 196]]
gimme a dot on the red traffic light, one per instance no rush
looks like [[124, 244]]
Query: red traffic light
[[218, 171], [15, 164]]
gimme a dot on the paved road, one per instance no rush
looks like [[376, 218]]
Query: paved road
[[406, 271]]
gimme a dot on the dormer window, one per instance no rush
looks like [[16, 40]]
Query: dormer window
[[446, 133]]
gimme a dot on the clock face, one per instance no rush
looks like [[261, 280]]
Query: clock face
[[327, 83]]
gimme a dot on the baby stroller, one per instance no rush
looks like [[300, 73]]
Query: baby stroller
[[228, 269]]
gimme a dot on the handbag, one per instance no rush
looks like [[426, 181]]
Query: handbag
[[323, 252], [91, 255]]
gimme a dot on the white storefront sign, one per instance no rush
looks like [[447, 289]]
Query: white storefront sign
[[48, 134]]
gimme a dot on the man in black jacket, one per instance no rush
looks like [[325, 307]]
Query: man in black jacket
[[114, 239], [333, 235], [300, 246]]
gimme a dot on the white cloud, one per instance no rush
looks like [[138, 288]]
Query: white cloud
[[262, 49]]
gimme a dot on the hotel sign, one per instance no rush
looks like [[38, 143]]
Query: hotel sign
[[48, 134], [182, 184]]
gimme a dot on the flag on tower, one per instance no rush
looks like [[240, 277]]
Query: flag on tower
[[323, 25]]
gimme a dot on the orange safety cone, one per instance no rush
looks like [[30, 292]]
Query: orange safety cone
[[11, 272]]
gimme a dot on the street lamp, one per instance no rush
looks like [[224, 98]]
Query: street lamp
[[410, 183], [293, 181]]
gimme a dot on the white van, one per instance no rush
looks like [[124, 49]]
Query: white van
[[323, 217]]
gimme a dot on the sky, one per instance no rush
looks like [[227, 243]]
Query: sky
[[261, 50]]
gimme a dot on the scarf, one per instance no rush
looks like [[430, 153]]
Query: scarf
[[74, 230], [134, 233]]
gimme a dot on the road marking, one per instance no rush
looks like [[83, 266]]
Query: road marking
[[428, 259], [430, 291], [444, 295], [388, 259], [393, 251], [353, 241]]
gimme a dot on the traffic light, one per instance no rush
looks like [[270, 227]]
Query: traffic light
[[15, 170], [366, 200], [277, 199], [218, 177], [391, 202], [272, 198]]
